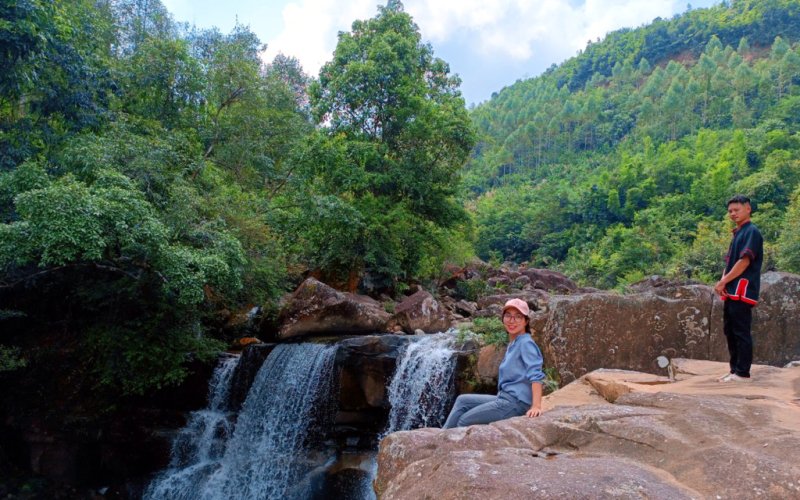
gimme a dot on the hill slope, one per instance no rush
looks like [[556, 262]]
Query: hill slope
[[618, 162]]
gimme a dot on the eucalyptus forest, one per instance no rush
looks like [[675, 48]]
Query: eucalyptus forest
[[154, 175]]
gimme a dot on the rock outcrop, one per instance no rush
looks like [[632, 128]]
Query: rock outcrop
[[584, 332], [589, 331], [617, 434], [316, 308], [775, 320], [366, 365], [420, 311]]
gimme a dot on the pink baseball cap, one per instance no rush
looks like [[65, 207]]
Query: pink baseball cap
[[518, 304]]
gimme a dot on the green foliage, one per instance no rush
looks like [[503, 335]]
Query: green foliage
[[788, 244], [471, 289], [611, 169], [552, 380], [489, 331], [384, 174], [10, 359], [152, 175]]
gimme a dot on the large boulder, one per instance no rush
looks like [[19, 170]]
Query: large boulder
[[606, 330], [487, 366], [694, 438], [775, 320], [316, 308], [546, 279], [366, 368], [420, 311], [588, 331]]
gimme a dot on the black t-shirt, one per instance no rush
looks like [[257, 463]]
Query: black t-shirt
[[747, 241]]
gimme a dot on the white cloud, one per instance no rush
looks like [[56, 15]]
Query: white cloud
[[510, 29], [310, 29]]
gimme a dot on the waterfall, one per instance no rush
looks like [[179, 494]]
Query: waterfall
[[422, 384], [268, 451]]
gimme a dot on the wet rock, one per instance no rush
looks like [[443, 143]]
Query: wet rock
[[488, 365], [367, 365]]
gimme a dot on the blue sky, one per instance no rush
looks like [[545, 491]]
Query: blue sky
[[490, 44]]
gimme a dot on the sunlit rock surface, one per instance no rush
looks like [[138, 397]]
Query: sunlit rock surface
[[617, 434]]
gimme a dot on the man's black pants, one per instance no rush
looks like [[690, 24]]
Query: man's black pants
[[738, 317]]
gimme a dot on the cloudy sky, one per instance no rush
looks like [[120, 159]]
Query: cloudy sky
[[489, 43]]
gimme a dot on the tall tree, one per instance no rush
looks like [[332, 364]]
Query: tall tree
[[405, 132]]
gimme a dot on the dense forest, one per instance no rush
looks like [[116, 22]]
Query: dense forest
[[155, 177], [617, 164]]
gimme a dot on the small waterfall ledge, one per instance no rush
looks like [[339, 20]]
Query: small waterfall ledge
[[311, 417], [422, 388], [267, 454]]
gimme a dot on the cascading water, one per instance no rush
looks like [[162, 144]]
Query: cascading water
[[422, 385], [201, 442], [268, 452]]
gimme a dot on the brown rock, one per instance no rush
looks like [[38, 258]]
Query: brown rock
[[488, 365], [775, 320], [695, 438], [551, 280], [367, 365], [585, 332], [492, 305], [421, 312], [244, 341], [465, 308], [316, 308], [606, 330]]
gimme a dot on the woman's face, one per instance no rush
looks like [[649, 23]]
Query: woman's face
[[514, 321]]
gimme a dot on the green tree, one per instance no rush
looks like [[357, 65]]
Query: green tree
[[788, 244], [397, 120]]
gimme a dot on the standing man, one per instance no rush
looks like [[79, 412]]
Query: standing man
[[739, 288]]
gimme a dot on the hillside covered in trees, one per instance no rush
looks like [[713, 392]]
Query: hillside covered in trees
[[617, 163]]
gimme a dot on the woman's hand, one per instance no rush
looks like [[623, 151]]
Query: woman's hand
[[533, 412]]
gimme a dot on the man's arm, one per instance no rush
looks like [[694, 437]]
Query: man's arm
[[734, 273]]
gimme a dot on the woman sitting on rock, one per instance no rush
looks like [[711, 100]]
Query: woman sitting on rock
[[519, 385]]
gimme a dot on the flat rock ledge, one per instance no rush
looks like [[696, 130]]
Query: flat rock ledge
[[617, 434]]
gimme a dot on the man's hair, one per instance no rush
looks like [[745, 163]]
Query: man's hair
[[739, 198]]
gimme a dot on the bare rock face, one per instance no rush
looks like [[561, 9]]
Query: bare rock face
[[585, 332], [488, 364], [694, 438], [421, 311], [550, 280], [589, 331], [316, 308], [775, 320]]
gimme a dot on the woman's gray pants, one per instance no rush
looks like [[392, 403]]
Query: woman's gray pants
[[472, 409]]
